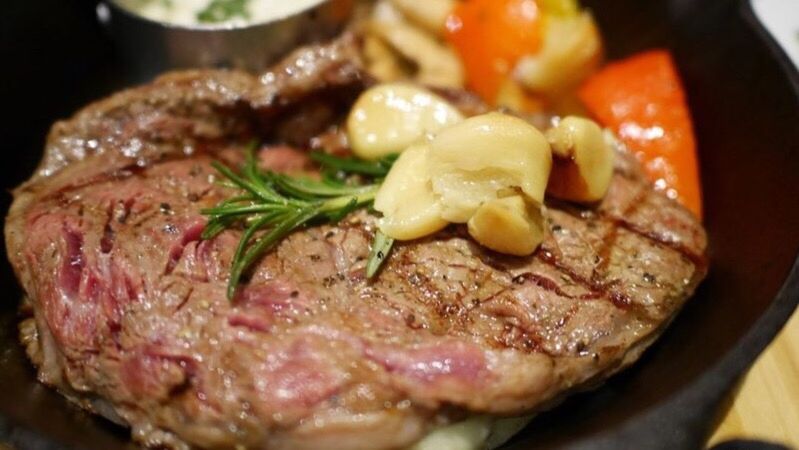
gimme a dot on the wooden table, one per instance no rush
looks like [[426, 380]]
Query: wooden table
[[766, 404]]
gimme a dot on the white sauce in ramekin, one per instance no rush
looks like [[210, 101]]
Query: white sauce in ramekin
[[185, 12]]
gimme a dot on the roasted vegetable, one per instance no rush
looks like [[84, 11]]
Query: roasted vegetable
[[389, 117], [473, 160], [410, 207], [490, 36], [642, 100], [583, 160], [510, 225]]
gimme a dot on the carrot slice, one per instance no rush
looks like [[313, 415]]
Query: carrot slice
[[490, 36], [642, 99]]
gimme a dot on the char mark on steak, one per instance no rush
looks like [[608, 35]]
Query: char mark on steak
[[129, 305]]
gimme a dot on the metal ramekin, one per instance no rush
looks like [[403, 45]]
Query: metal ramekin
[[151, 47]]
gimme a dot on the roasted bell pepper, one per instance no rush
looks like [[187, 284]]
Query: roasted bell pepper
[[642, 100], [490, 36]]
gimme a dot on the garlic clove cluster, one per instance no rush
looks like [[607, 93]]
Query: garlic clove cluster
[[490, 171]]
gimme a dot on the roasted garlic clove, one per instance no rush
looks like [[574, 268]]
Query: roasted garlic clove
[[389, 117], [472, 160], [583, 164], [430, 14], [435, 63], [410, 208], [571, 51], [380, 60], [508, 225]]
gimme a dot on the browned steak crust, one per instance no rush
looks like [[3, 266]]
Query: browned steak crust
[[130, 305]]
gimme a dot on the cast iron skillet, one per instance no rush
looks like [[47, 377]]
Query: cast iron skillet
[[745, 101]]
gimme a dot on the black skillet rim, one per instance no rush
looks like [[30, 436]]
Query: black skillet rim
[[683, 421]]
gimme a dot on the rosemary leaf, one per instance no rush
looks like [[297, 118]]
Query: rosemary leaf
[[314, 189], [266, 242], [335, 216], [235, 210], [215, 226], [364, 197], [377, 169], [252, 186], [381, 247], [239, 268]]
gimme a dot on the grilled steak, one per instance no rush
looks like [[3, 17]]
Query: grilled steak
[[130, 318]]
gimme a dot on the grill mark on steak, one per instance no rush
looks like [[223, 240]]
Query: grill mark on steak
[[597, 288], [550, 285], [518, 338], [311, 353], [700, 261]]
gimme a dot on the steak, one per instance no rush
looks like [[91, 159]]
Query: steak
[[129, 316]]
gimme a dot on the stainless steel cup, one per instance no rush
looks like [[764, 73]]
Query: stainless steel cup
[[151, 47]]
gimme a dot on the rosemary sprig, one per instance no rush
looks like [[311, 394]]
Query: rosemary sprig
[[270, 206]]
